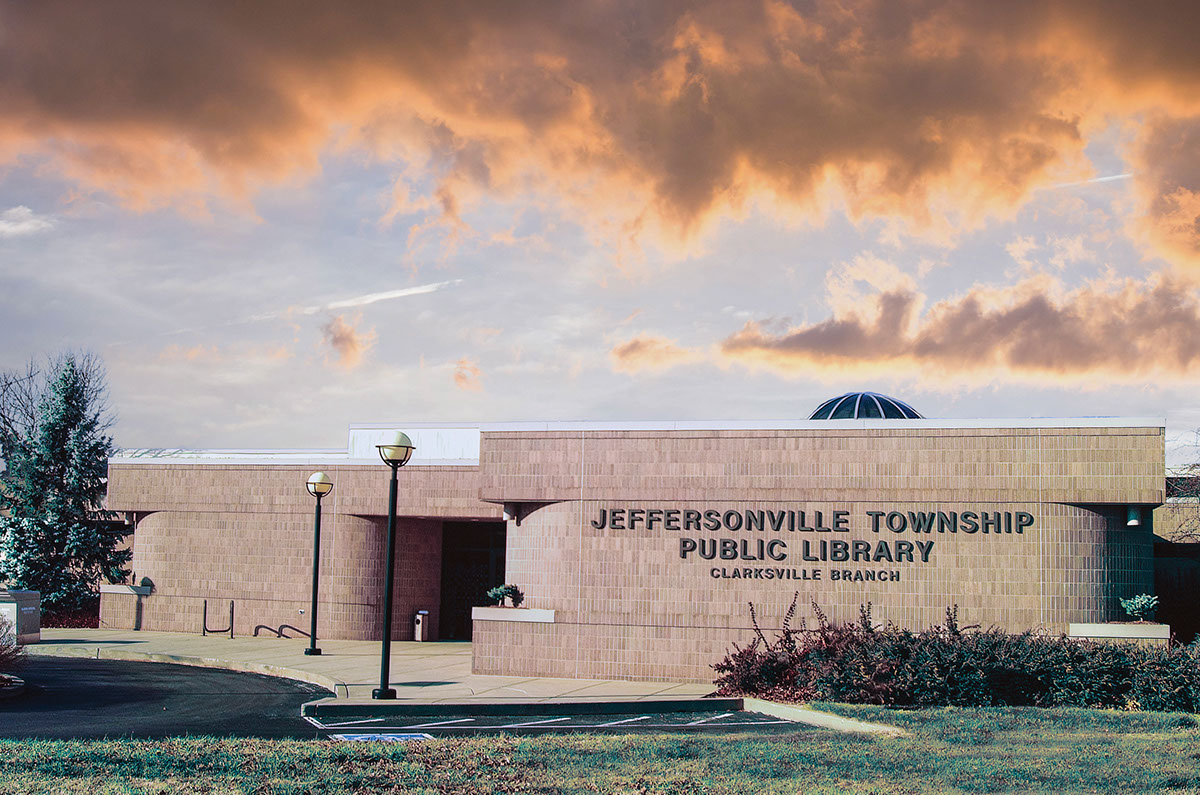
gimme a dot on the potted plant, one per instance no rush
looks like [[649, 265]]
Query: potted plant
[[1141, 608], [509, 592], [1142, 629]]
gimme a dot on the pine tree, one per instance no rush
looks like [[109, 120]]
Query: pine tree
[[57, 539]]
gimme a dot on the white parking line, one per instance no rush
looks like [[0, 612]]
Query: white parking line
[[382, 738], [438, 723], [532, 723], [626, 720], [706, 720], [350, 723]]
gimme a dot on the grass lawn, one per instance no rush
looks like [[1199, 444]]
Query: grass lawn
[[947, 750]]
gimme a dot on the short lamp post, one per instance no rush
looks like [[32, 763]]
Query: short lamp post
[[395, 453], [318, 485]]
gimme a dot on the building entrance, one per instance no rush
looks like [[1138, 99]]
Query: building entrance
[[472, 564]]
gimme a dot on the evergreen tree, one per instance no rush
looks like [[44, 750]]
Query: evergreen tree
[[57, 539]]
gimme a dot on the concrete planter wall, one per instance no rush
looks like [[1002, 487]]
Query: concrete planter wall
[[525, 615], [121, 606], [1142, 634]]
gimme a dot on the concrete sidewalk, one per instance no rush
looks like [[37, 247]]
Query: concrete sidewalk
[[420, 672]]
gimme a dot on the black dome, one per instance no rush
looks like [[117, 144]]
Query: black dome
[[865, 406]]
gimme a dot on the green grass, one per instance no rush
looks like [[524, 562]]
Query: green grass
[[947, 750]]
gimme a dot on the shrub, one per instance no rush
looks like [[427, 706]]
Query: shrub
[[1141, 607], [85, 617], [510, 592], [861, 663]]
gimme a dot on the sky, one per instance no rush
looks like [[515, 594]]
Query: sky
[[273, 219]]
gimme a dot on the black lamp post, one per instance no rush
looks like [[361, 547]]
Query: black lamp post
[[318, 485], [395, 454]]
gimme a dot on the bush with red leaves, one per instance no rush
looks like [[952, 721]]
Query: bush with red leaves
[[87, 617], [861, 663]]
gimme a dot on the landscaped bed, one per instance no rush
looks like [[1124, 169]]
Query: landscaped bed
[[945, 750], [868, 663]]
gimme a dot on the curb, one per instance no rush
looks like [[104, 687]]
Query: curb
[[824, 720], [334, 686], [341, 707], [14, 688]]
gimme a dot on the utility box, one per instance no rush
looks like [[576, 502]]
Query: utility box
[[23, 610], [421, 625]]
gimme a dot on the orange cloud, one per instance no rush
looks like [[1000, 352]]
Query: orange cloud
[[194, 353], [347, 343], [467, 375], [1116, 331], [647, 352], [1168, 168], [648, 119]]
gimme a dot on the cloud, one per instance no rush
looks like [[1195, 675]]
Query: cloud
[[360, 300], [467, 375], [647, 120], [348, 344], [21, 221], [1070, 250], [1020, 249], [480, 335], [1119, 330], [194, 353], [648, 352], [212, 365], [1168, 162], [1092, 181], [389, 295]]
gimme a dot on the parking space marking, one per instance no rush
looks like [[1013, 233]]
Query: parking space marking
[[380, 738], [564, 723], [706, 720], [627, 720], [533, 723], [351, 723], [438, 723]]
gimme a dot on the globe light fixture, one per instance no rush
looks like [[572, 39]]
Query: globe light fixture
[[318, 485], [396, 452]]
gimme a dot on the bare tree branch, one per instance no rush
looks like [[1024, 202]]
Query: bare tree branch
[[1179, 518], [22, 392]]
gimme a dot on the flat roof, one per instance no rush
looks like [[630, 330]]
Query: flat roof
[[457, 443], [771, 425]]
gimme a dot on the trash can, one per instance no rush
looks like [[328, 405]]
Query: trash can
[[421, 625], [23, 609]]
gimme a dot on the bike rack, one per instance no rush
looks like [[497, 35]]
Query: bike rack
[[207, 631], [279, 632]]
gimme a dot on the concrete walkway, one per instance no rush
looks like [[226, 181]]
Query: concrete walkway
[[420, 672]]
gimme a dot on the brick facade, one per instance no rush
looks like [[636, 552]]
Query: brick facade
[[641, 603]]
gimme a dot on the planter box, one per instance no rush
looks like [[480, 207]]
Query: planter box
[[121, 606], [527, 615], [139, 590], [1142, 634]]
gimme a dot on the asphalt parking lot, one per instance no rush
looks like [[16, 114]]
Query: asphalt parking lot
[[83, 698], [80, 698]]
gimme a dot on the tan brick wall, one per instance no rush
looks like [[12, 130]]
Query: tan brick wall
[[244, 532], [627, 604], [263, 563], [1178, 521], [120, 611], [430, 491], [1079, 465], [1073, 565], [629, 607]]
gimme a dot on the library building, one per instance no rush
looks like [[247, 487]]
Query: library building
[[640, 545]]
